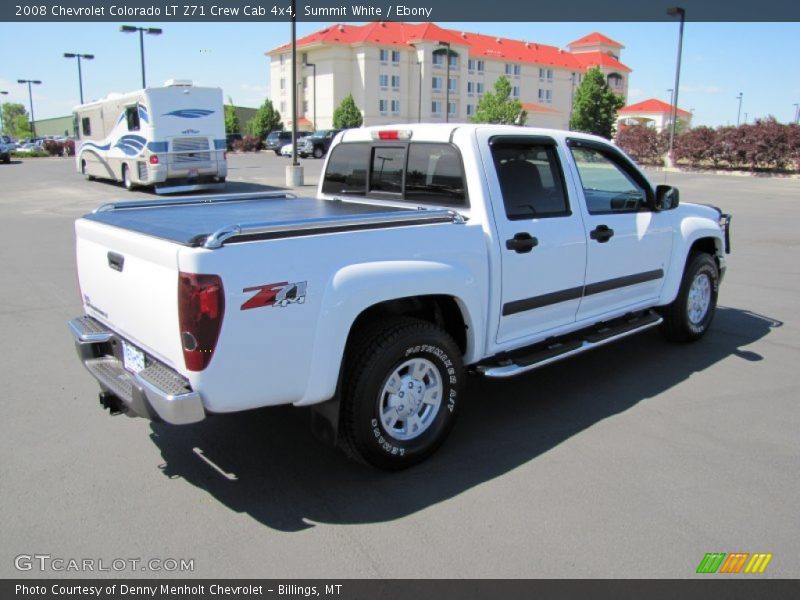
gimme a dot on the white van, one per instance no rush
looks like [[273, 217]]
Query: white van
[[171, 137]]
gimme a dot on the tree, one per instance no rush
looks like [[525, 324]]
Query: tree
[[595, 106], [231, 118], [15, 121], [347, 115], [266, 119], [643, 143], [499, 106]]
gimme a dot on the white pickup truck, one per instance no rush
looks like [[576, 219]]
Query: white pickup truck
[[430, 252]]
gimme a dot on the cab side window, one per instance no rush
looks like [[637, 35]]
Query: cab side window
[[132, 118], [347, 170], [530, 179], [607, 186]]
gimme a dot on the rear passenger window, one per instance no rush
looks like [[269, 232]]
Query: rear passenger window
[[435, 174], [86, 126], [530, 179], [347, 170]]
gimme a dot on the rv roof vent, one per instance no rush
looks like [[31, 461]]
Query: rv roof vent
[[177, 82]]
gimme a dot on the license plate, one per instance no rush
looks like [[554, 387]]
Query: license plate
[[132, 358]]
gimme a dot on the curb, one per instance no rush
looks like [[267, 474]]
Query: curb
[[763, 174]]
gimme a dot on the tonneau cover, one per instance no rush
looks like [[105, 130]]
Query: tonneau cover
[[191, 224]]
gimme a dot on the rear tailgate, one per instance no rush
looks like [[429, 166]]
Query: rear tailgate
[[129, 282]]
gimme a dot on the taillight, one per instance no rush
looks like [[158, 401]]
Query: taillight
[[201, 306], [154, 159]]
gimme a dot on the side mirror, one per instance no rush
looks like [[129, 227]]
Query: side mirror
[[667, 198]]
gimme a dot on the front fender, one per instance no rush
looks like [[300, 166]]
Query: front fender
[[690, 229], [355, 288]]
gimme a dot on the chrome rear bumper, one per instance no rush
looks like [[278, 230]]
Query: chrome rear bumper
[[157, 392]]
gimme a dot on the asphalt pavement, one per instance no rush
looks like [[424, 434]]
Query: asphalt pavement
[[634, 460]]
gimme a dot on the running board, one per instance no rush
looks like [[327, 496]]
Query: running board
[[546, 353]]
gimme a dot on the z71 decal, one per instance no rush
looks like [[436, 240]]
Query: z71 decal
[[276, 294]]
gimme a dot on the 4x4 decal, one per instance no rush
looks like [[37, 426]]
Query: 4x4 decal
[[276, 294]]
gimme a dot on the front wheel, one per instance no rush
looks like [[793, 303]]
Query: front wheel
[[688, 318], [318, 152], [402, 388]]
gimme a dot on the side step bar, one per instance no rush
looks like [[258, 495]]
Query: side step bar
[[547, 353]]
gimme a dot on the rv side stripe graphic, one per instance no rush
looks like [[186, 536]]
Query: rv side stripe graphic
[[720, 562], [758, 563]]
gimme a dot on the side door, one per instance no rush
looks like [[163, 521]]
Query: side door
[[542, 239], [628, 244]]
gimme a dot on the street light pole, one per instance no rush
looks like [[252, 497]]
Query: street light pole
[[80, 75], [294, 172], [674, 12], [739, 112], [5, 93], [30, 99], [142, 31]]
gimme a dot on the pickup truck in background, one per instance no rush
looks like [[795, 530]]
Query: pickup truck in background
[[430, 252]]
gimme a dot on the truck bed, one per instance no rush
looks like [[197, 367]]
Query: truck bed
[[191, 221]]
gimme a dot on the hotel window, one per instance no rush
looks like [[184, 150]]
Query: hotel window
[[383, 55], [438, 83], [453, 61], [395, 56], [283, 83], [549, 74], [479, 87], [469, 110], [470, 87], [436, 107], [283, 59], [395, 107], [471, 64], [305, 83], [283, 107], [549, 96], [509, 69], [438, 60], [305, 107], [517, 70], [396, 81], [481, 66], [383, 106], [541, 74], [541, 94], [451, 108], [383, 80], [452, 84], [515, 91]]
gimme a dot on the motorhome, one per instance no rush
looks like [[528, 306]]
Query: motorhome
[[171, 138]]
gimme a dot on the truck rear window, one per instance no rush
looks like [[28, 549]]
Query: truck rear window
[[418, 172]]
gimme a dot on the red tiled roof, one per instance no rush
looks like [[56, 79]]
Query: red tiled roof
[[479, 45], [593, 39], [587, 60], [653, 105], [532, 107]]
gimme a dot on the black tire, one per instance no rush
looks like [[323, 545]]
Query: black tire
[[684, 319], [378, 352], [277, 152], [127, 182], [318, 152]]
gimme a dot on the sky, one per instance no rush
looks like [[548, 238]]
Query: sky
[[720, 60]]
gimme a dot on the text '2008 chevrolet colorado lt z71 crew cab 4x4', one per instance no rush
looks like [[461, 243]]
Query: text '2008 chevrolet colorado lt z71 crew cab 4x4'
[[429, 251]]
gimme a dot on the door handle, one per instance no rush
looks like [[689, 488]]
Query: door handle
[[522, 243], [601, 233]]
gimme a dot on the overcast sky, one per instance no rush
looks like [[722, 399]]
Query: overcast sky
[[719, 61]]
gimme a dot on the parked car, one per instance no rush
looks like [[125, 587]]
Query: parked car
[[317, 143], [5, 152], [276, 140], [429, 251]]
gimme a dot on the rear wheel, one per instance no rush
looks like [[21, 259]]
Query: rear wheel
[[318, 152], [688, 318], [126, 178], [401, 391]]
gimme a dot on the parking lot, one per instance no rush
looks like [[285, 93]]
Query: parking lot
[[631, 461]]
